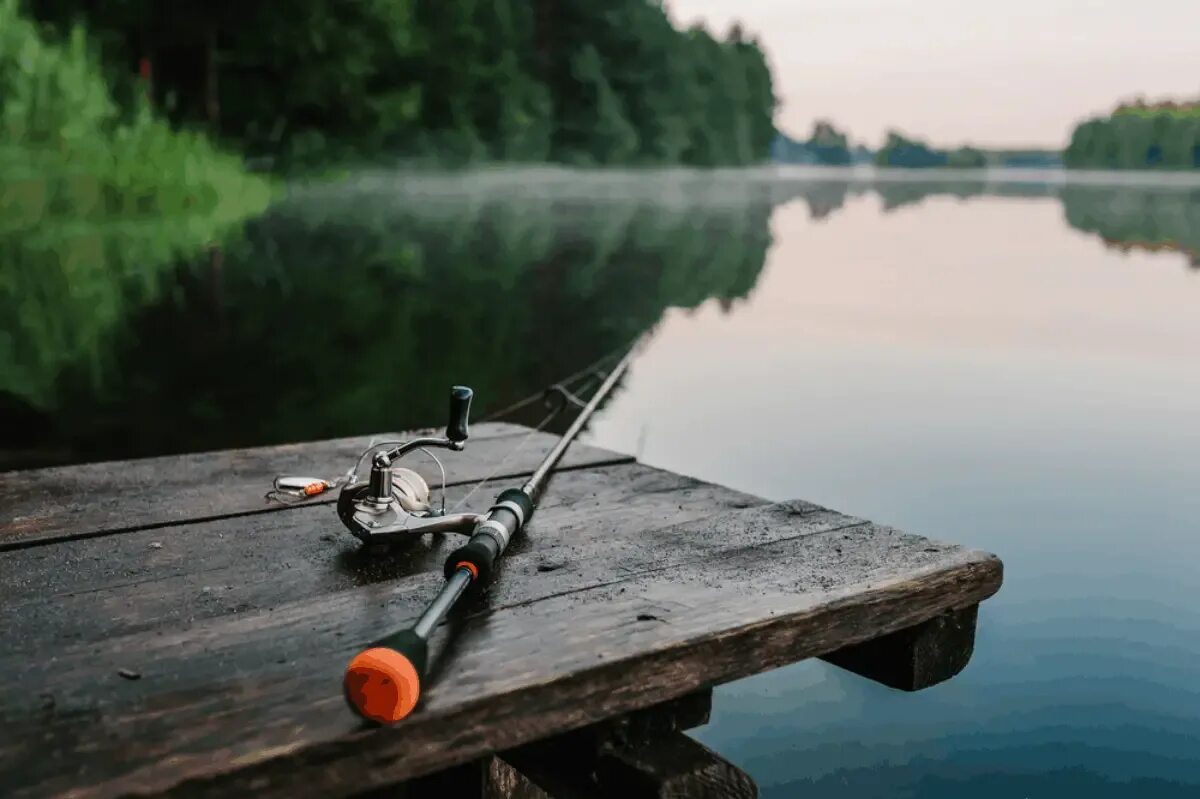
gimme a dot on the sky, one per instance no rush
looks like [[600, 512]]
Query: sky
[[1001, 72]]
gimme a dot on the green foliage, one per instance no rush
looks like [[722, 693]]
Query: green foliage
[[92, 203], [67, 286], [900, 151], [1137, 139], [366, 299], [1138, 219], [1028, 158], [307, 82], [66, 150], [966, 158], [1153, 111], [827, 146], [596, 126]]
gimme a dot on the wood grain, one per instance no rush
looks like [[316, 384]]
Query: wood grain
[[42, 506], [250, 702], [92, 589]]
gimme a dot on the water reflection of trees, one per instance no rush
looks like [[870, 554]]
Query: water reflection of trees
[[1139, 219], [344, 311], [1125, 218], [351, 308]]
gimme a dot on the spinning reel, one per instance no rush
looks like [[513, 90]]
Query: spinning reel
[[383, 682], [393, 504]]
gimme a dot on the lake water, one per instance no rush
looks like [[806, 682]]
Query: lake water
[[1006, 362]]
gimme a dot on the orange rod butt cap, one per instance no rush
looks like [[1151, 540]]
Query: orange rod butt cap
[[382, 685]]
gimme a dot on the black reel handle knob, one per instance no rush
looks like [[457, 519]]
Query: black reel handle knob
[[460, 410]]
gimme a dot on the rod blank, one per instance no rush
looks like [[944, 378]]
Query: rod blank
[[383, 683]]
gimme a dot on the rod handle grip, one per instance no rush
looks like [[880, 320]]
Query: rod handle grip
[[490, 538], [460, 410], [477, 556], [383, 682]]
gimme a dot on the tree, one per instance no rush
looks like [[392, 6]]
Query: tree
[[594, 127], [899, 151], [966, 158], [603, 83], [828, 144], [1138, 136]]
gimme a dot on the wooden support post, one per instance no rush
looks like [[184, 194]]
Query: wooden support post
[[915, 657], [642, 755], [505, 782], [676, 767]]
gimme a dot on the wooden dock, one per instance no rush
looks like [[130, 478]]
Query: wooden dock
[[166, 631]]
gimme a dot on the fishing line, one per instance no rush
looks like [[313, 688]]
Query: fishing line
[[565, 398], [288, 490], [511, 454], [587, 371]]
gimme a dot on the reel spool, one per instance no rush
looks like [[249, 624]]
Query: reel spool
[[411, 490]]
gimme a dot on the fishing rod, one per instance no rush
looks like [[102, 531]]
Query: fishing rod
[[382, 683]]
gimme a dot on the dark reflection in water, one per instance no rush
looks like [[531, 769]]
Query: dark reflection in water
[[1146, 218], [350, 308], [346, 307], [1008, 364], [981, 371]]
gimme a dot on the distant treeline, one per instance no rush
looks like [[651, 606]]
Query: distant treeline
[[1139, 136], [312, 81], [1135, 135], [828, 146], [901, 151]]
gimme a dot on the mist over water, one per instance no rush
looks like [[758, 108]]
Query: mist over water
[[1001, 359], [1012, 368]]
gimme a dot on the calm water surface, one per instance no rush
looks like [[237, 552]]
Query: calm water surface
[[1007, 364]]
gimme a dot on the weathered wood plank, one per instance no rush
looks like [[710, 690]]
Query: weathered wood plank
[[916, 657], [251, 703], [92, 589], [46, 505]]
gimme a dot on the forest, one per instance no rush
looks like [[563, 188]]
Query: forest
[[901, 151], [310, 82], [829, 146], [1138, 136], [69, 150]]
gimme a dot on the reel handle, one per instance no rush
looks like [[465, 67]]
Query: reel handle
[[383, 682], [460, 410]]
